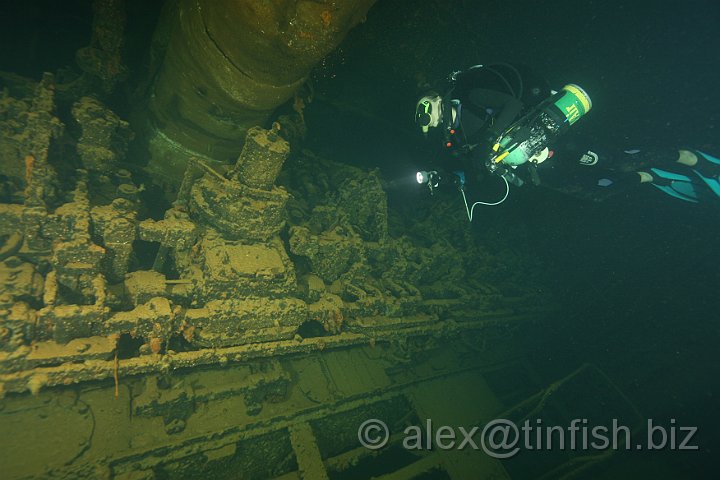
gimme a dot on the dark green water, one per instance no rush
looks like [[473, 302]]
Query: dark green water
[[636, 277]]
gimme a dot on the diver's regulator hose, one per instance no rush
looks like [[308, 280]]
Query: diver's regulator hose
[[432, 179], [470, 210]]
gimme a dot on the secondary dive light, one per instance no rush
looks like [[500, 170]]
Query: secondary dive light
[[532, 133]]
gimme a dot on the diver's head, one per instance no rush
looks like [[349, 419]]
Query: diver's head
[[428, 111]]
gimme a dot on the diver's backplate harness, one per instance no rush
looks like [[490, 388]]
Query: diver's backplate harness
[[525, 141], [455, 134]]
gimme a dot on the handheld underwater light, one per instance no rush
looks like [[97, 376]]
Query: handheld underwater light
[[431, 179]]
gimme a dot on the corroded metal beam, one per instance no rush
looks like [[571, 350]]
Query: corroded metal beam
[[68, 365]]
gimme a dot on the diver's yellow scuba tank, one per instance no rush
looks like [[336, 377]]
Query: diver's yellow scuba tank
[[532, 133]]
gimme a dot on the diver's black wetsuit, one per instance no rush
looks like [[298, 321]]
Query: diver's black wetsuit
[[493, 96], [598, 174], [577, 168], [487, 99]]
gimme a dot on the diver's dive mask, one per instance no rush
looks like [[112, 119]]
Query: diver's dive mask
[[428, 112]]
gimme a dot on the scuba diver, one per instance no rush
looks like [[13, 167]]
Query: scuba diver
[[480, 104], [503, 120]]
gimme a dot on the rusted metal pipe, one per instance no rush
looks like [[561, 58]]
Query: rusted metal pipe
[[228, 65]]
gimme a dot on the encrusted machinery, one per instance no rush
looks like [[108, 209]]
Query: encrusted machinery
[[226, 302]]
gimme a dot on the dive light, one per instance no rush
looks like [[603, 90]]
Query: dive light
[[429, 178]]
